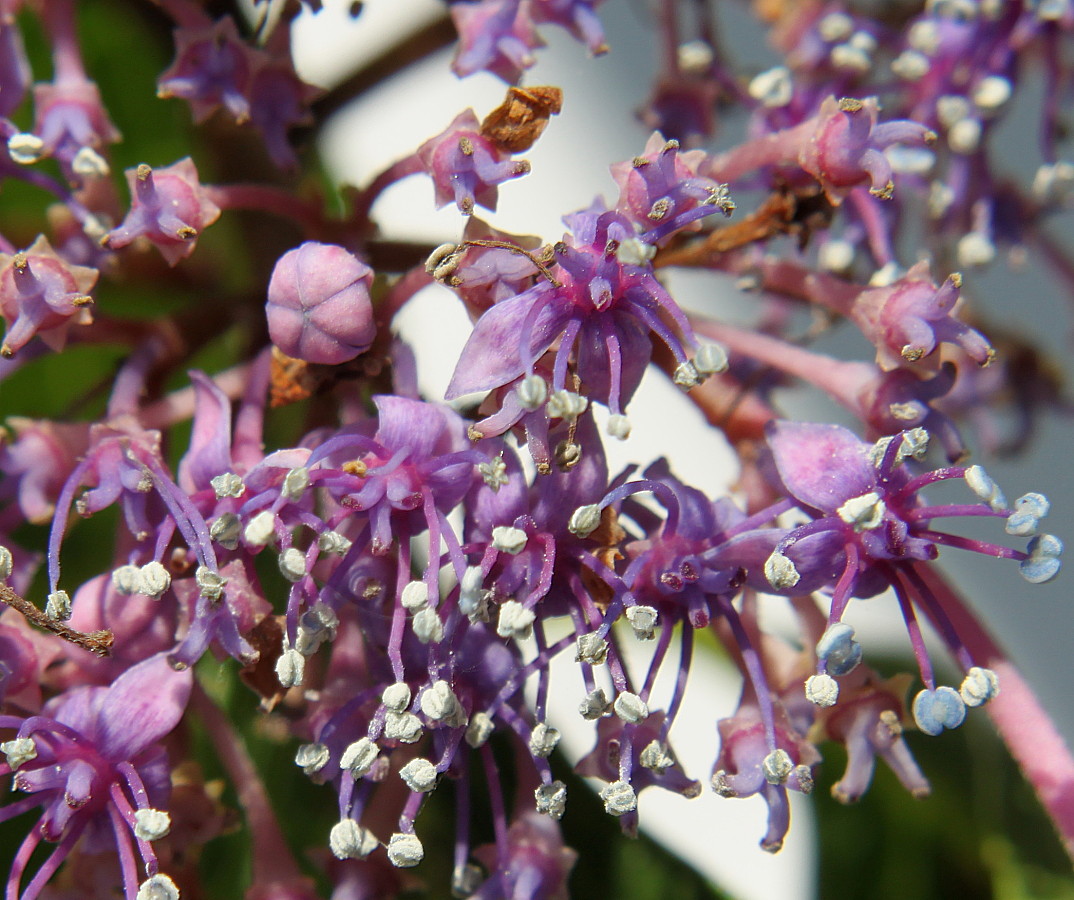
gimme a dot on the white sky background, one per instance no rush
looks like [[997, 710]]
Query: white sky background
[[597, 127]]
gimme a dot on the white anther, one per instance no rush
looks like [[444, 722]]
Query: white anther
[[592, 649], [619, 798], [975, 249], [494, 472], [979, 686], [295, 483], [7, 563], [720, 197], [260, 529], [924, 36], [402, 726], [655, 756], [443, 261], [415, 596], [630, 708], [686, 376], [772, 88], [292, 564], [157, 887], [405, 850], [594, 705], [290, 668], [910, 160], [1043, 563], [964, 136], [465, 880], [440, 704], [835, 26], [543, 740], [155, 580], [88, 163], [991, 93], [849, 57], [835, 256], [951, 109], [227, 485], [780, 571], [396, 696], [480, 729], [618, 426], [941, 197], [643, 620], [694, 57], [126, 580], [349, 840], [312, 757], [532, 391], [151, 824], [359, 757], [551, 799], [863, 40], [984, 487], [1054, 183], [863, 513], [58, 606], [473, 599], [777, 767], [428, 626], [226, 529], [419, 775], [508, 539], [515, 621], [18, 751], [1029, 509], [710, 359], [210, 583], [911, 65], [634, 252], [822, 690], [566, 405], [25, 148], [803, 775], [1052, 10], [584, 520], [333, 542]]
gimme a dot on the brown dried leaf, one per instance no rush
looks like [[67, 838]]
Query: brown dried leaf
[[516, 123]]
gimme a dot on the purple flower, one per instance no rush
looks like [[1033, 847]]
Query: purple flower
[[496, 36], [169, 207], [318, 304], [91, 761], [212, 68], [601, 308], [42, 295], [466, 166]]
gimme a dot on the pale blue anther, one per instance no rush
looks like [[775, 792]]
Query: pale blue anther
[[1029, 509], [838, 649], [939, 709], [1043, 562]]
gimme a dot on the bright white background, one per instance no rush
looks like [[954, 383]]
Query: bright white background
[[597, 127]]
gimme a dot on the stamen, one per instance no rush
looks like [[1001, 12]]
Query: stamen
[[405, 850], [419, 775], [777, 767], [349, 840], [359, 757], [543, 740], [619, 798], [551, 799], [979, 686], [936, 710]]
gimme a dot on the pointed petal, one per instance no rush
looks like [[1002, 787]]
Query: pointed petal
[[142, 705], [821, 466]]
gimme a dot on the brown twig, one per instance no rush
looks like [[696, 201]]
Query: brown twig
[[97, 642]]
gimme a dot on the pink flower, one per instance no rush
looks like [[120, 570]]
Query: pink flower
[[318, 304]]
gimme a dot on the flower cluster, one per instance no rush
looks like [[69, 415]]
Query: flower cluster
[[396, 575]]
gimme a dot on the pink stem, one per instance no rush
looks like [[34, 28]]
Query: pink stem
[[1022, 723], [275, 870]]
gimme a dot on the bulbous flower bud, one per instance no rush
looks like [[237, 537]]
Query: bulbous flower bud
[[318, 304]]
